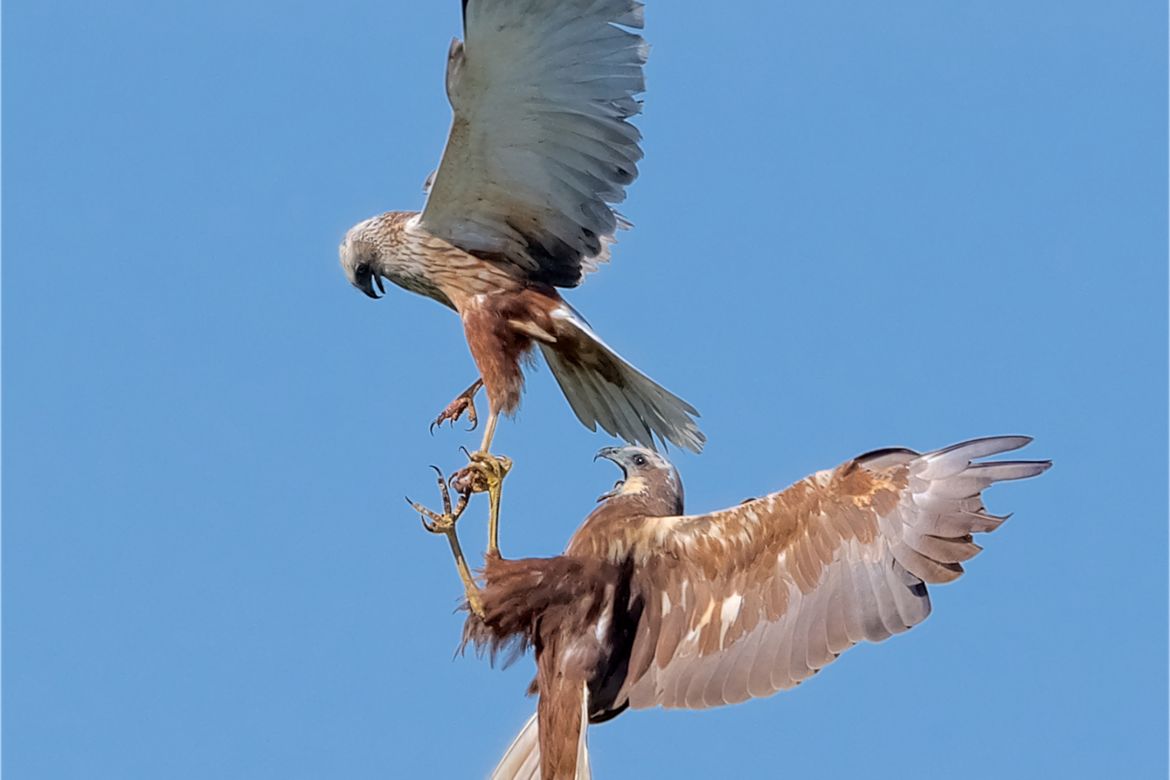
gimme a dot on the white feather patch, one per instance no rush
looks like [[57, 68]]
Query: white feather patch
[[728, 614]]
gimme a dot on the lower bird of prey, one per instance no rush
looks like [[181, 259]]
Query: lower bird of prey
[[650, 607], [540, 148]]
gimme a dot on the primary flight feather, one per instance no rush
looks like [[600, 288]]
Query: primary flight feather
[[540, 148], [650, 607]]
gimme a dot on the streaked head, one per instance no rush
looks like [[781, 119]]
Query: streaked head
[[645, 472], [358, 259]]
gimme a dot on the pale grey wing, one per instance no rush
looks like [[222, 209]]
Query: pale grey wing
[[755, 599], [540, 144]]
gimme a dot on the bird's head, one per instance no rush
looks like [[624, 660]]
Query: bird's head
[[358, 260], [644, 472]]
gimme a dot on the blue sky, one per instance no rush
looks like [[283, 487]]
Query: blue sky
[[857, 225]]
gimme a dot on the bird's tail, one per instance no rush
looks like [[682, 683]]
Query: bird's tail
[[521, 761], [605, 390]]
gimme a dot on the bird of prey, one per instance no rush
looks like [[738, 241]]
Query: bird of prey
[[651, 607], [540, 147]]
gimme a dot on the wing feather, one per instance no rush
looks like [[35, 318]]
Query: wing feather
[[837, 633], [541, 144], [761, 596], [759, 649]]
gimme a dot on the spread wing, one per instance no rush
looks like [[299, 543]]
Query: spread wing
[[540, 142], [747, 601]]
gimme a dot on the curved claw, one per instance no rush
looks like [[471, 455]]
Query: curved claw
[[498, 465], [483, 473], [463, 403], [421, 514], [442, 522]]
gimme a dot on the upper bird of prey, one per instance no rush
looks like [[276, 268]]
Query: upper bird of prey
[[540, 147], [650, 607]]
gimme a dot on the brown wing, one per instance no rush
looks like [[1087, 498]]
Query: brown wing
[[751, 600]]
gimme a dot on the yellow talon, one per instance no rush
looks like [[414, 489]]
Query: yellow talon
[[485, 474], [444, 523]]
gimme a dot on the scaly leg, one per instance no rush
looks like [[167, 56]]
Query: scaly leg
[[445, 524], [489, 433], [464, 402], [485, 474]]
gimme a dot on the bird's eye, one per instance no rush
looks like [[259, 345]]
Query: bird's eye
[[639, 460]]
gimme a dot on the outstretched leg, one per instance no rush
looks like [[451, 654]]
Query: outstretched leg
[[464, 402], [494, 469], [485, 474], [489, 432], [444, 524]]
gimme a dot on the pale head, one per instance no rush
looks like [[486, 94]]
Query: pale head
[[359, 260], [644, 472]]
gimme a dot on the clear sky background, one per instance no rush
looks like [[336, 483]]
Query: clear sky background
[[857, 225]]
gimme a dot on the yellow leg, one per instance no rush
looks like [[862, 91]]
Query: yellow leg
[[485, 474], [444, 524], [498, 469], [470, 588], [495, 493], [489, 432]]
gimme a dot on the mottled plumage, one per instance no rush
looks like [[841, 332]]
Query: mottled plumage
[[650, 607], [540, 148]]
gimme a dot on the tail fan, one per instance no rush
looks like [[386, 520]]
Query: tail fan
[[521, 760], [603, 389]]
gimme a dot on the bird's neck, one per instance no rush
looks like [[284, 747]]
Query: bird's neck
[[611, 529], [407, 255]]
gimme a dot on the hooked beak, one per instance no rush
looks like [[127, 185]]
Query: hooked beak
[[606, 452], [610, 453], [366, 285]]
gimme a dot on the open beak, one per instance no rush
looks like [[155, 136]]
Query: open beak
[[606, 452], [610, 453]]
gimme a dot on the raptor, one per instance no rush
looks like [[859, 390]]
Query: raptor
[[651, 607], [540, 148]]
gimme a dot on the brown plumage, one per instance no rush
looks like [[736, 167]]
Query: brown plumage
[[650, 607], [500, 331], [541, 147]]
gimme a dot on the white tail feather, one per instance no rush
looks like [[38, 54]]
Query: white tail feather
[[582, 771], [521, 760], [603, 389]]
